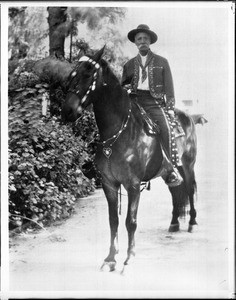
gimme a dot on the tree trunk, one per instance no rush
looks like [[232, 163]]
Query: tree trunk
[[57, 18]]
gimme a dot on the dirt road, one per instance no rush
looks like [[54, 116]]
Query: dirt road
[[65, 261]]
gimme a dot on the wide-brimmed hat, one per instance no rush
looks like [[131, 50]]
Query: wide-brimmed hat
[[142, 28]]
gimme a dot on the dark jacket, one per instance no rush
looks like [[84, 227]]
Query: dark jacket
[[159, 75]]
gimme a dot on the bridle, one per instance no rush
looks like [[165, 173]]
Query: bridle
[[95, 75], [107, 151]]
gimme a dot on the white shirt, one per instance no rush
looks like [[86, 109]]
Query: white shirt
[[143, 85]]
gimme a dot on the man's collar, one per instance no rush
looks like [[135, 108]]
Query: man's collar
[[148, 57], [149, 54]]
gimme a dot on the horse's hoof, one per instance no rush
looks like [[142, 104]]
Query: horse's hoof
[[122, 272], [125, 269], [174, 228], [192, 228], [108, 266]]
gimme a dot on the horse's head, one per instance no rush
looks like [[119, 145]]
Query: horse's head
[[83, 81]]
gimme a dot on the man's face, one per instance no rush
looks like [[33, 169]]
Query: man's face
[[142, 41]]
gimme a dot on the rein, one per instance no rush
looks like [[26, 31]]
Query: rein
[[107, 151]]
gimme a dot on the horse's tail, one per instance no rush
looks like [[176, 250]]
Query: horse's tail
[[181, 194]]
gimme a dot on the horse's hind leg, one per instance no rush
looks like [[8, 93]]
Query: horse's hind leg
[[179, 201], [192, 212], [111, 192], [174, 224], [191, 188]]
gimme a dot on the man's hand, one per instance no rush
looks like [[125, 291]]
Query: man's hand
[[128, 88]]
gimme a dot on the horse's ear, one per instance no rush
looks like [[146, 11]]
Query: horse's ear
[[97, 56]]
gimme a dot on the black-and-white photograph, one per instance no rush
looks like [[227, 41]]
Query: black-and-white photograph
[[117, 150]]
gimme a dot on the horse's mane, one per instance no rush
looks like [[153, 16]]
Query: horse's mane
[[108, 74]]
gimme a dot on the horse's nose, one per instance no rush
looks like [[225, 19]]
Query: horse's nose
[[67, 114], [71, 108], [70, 113]]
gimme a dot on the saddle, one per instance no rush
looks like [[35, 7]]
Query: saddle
[[151, 128]]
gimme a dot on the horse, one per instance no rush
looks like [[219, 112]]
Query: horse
[[127, 155]]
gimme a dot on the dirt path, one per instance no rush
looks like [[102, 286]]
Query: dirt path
[[66, 259]]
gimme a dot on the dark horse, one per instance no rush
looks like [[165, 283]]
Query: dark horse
[[127, 155]]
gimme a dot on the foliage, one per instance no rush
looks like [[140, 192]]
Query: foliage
[[59, 29], [28, 32], [96, 27], [21, 74], [94, 16], [45, 159], [53, 71], [14, 11]]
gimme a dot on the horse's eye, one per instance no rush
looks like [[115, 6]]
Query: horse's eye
[[89, 67], [88, 71]]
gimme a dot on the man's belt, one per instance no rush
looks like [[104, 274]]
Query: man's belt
[[147, 92], [143, 92]]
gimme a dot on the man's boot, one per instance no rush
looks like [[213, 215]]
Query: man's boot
[[173, 178], [170, 174]]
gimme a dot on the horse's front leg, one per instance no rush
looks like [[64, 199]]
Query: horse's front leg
[[131, 219], [111, 192]]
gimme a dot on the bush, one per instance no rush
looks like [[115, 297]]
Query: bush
[[45, 158]]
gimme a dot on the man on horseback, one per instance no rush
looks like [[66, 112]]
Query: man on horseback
[[148, 78]]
